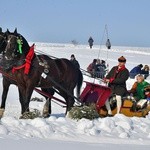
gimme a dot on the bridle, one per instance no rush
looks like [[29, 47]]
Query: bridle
[[9, 63], [14, 51]]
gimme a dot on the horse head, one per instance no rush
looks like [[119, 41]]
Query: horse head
[[16, 45]]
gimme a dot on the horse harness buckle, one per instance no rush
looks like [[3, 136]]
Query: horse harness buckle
[[45, 72]]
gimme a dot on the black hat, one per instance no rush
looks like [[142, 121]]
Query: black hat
[[122, 59], [103, 61], [72, 55], [94, 60], [141, 66]]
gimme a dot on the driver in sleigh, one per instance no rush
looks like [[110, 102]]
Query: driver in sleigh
[[116, 80]]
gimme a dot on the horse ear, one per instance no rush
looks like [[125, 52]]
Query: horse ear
[[15, 32], [8, 31]]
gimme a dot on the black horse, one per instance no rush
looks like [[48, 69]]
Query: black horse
[[45, 72], [8, 78], [6, 81]]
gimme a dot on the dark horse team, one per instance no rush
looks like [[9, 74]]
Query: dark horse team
[[28, 70]]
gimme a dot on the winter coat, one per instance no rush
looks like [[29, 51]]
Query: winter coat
[[91, 67], [75, 63], [100, 71], [145, 73], [91, 41], [135, 71], [118, 80], [140, 90], [133, 89]]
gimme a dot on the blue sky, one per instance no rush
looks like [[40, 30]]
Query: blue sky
[[64, 20]]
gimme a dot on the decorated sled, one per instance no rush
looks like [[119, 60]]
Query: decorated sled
[[98, 94]]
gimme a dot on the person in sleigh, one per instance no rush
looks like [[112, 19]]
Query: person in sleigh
[[116, 80], [136, 93], [137, 90]]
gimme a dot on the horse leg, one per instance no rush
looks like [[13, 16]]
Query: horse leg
[[6, 85], [70, 100], [22, 98], [25, 95], [47, 106]]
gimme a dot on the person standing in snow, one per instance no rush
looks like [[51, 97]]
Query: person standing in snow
[[135, 71], [74, 61], [116, 80], [108, 44], [90, 41]]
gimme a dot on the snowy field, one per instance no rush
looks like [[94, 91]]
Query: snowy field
[[58, 132]]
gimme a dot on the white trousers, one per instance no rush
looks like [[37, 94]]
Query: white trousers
[[119, 103]]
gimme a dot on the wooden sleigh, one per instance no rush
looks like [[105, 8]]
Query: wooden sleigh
[[98, 94]]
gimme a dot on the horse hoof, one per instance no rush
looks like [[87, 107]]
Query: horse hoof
[[46, 115], [1, 112], [67, 115]]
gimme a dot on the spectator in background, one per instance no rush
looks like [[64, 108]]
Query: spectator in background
[[145, 71], [90, 41], [92, 68], [135, 71], [100, 69], [74, 61], [108, 44], [104, 64]]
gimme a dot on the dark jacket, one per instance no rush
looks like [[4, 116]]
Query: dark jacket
[[118, 84], [75, 63], [90, 41], [145, 73], [100, 71], [91, 67], [135, 71]]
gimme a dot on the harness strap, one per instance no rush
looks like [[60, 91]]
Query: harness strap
[[28, 60], [17, 68], [27, 64]]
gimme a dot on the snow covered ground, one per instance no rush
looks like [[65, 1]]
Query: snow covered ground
[[58, 132]]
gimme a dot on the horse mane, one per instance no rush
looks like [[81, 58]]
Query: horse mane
[[2, 42]]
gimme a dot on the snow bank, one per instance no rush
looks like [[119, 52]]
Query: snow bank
[[116, 128]]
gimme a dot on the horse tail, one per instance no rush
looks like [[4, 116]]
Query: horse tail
[[79, 83]]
